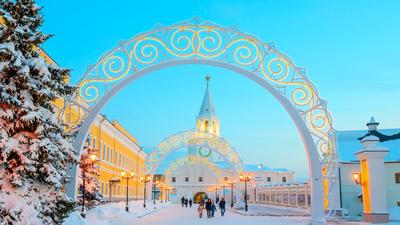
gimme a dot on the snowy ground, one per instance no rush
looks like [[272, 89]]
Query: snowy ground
[[169, 214], [114, 213]]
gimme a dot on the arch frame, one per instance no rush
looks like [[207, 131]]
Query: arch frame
[[282, 79]]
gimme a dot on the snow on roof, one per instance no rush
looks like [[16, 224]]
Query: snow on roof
[[348, 144]]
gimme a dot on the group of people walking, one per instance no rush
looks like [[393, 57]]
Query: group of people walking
[[210, 207], [185, 202]]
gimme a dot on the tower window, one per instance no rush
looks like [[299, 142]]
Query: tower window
[[397, 178], [186, 179], [200, 179], [173, 179], [284, 179], [206, 125], [268, 179]]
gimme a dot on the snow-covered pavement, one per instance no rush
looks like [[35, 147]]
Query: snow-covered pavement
[[176, 215], [114, 214], [170, 214]]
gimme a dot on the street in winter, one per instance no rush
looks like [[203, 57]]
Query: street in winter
[[199, 112]]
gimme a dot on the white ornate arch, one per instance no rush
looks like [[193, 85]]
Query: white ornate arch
[[201, 42]]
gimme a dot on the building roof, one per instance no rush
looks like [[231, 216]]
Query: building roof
[[207, 108], [348, 144]]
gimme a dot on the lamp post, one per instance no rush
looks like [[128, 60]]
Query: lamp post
[[84, 168], [216, 192], [245, 179], [154, 193], [145, 179], [127, 177], [231, 183], [160, 186]]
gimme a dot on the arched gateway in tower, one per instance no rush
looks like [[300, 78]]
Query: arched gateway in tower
[[201, 42]]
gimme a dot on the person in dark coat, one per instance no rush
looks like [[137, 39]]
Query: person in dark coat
[[208, 208], [190, 203], [186, 202], [222, 206], [213, 209], [183, 200]]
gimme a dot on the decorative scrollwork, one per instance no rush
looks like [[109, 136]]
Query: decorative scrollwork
[[201, 40], [193, 138]]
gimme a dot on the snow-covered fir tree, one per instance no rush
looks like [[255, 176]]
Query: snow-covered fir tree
[[89, 172], [34, 147]]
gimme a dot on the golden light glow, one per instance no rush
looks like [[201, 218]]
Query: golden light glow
[[357, 177], [245, 177], [123, 173], [93, 157]]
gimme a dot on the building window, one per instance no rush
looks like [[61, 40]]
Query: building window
[[397, 178], [206, 125], [268, 179], [186, 179], [104, 152], [398, 203], [226, 178], [173, 179], [200, 179], [94, 142], [284, 179]]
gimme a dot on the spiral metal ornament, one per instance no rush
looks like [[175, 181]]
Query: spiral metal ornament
[[192, 138], [199, 41], [194, 160]]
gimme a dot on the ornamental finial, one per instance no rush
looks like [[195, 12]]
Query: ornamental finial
[[208, 78]]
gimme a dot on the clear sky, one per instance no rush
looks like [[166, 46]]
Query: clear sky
[[350, 50]]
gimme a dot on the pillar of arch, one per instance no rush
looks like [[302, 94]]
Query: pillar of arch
[[201, 42]]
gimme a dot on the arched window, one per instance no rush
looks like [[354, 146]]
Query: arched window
[[206, 125], [397, 177]]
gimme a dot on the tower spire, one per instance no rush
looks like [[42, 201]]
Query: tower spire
[[207, 120], [207, 107]]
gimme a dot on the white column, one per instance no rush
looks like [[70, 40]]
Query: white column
[[373, 180]]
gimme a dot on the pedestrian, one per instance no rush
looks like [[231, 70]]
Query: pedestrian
[[217, 199], [213, 209], [190, 203], [222, 206], [183, 200], [186, 202], [208, 208], [200, 210]]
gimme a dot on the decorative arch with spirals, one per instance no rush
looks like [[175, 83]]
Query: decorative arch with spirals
[[202, 40]]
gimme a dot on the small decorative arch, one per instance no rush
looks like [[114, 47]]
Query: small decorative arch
[[193, 138], [196, 160]]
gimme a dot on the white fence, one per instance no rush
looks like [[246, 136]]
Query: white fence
[[290, 195]]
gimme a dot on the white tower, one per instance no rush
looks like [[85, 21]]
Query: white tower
[[207, 121]]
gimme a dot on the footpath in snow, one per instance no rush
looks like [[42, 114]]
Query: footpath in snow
[[114, 213]]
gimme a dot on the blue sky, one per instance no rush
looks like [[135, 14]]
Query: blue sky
[[350, 50]]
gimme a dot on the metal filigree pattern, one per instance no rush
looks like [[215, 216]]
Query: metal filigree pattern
[[197, 40], [195, 160], [194, 138]]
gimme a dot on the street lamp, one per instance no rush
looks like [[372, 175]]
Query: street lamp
[[84, 168], [216, 192], [160, 186], [127, 177], [245, 179], [231, 183], [145, 179], [154, 193], [357, 177]]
